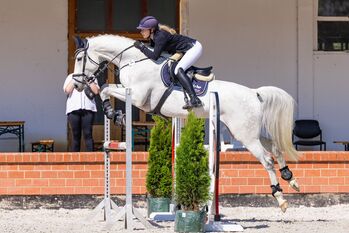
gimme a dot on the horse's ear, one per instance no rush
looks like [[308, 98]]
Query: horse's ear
[[80, 43]]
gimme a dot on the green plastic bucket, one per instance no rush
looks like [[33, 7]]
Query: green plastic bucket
[[159, 204], [190, 221]]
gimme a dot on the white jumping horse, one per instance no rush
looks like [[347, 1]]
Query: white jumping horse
[[245, 111]]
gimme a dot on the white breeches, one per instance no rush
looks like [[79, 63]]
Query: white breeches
[[190, 57]]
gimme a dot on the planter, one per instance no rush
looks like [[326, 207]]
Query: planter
[[190, 221], [159, 204]]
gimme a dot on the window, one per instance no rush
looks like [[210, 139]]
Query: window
[[121, 16], [332, 25], [93, 17]]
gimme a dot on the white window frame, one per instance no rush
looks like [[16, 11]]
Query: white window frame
[[324, 19]]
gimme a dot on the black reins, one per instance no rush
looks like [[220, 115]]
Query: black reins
[[100, 70]]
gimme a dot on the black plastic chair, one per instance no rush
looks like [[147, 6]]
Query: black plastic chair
[[306, 131]]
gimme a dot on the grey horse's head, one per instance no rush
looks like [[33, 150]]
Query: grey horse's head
[[84, 64]]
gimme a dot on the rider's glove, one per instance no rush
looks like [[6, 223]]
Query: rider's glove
[[139, 45]]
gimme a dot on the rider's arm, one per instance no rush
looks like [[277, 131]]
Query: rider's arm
[[159, 46]]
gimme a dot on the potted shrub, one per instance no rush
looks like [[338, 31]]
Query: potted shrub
[[159, 174], [192, 177]]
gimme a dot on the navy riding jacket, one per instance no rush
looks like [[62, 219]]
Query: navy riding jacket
[[165, 41]]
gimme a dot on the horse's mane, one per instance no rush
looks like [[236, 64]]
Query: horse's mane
[[110, 42], [111, 37]]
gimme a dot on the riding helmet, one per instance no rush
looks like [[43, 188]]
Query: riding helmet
[[148, 22]]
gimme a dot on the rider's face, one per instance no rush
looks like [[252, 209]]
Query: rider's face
[[145, 33]]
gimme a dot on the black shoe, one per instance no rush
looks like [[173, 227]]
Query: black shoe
[[108, 110]]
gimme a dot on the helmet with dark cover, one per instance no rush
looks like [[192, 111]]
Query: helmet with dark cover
[[148, 22]]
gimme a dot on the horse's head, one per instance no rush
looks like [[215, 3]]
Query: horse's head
[[85, 64]]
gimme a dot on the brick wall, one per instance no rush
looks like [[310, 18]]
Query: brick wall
[[83, 173]]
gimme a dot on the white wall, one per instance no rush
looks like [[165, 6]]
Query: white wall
[[249, 42], [270, 42], [331, 82], [33, 67]]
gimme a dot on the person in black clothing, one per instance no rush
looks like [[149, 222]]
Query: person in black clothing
[[164, 38]]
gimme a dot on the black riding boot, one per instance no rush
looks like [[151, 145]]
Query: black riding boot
[[184, 80]]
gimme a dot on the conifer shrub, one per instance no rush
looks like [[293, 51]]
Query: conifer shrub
[[159, 174], [192, 172]]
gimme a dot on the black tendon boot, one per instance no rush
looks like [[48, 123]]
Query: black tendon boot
[[184, 80], [108, 109]]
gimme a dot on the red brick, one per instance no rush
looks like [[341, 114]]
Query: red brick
[[229, 189], [320, 181], [65, 174], [49, 174], [3, 191], [312, 173], [240, 173], [82, 174], [3, 174], [90, 182], [343, 172], [263, 189], [328, 172], [74, 182], [247, 189], [56, 182], [343, 189], [246, 173], [23, 182], [336, 180], [15, 174], [225, 181], [40, 182], [100, 174], [255, 181], [48, 190], [31, 190], [239, 181], [329, 189], [32, 174], [229, 173], [15, 190], [82, 190]]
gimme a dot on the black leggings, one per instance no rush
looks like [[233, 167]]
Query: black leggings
[[81, 120]]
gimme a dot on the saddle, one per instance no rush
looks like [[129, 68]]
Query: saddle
[[200, 77], [202, 74]]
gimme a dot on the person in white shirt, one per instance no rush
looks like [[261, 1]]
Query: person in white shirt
[[81, 110]]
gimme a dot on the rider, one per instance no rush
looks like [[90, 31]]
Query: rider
[[164, 38]]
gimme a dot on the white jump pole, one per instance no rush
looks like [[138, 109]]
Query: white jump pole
[[128, 211], [214, 223], [107, 204]]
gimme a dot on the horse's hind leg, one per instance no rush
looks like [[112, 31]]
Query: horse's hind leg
[[286, 173], [267, 161]]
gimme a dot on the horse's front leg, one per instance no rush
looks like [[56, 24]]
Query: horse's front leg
[[108, 90]]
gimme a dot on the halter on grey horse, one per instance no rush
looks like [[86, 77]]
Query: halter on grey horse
[[245, 111]]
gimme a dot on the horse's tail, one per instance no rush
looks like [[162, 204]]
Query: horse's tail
[[278, 110]]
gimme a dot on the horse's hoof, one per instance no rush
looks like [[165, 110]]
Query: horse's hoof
[[293, 184], [284, 206], [119, 118]]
